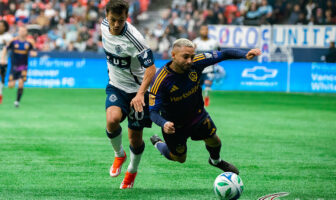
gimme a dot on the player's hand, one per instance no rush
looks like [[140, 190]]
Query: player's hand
[[138, 102], [169, 128], [253, 53]]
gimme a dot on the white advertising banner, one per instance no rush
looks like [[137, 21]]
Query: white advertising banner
[[299, 36]]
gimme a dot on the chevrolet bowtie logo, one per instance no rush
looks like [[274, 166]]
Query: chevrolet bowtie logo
[[174, 88], [259, 73]]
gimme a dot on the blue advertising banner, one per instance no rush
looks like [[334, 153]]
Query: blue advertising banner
[[313, 77], [252, 76], [49, 72], [67, 73]]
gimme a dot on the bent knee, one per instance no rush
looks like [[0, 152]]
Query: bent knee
[[111, 121]]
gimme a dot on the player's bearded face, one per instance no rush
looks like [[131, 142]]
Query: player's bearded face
[[184, 58], [116, 22]]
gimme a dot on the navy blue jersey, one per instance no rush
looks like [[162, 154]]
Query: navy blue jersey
[[178, 97], [20, 52]]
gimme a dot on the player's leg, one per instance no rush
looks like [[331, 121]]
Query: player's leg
[[11, 81], [174, 147], [137, 147], [206, 130], [213, 145], [19, 92], [113, 132], [114, 116], [3, 69]]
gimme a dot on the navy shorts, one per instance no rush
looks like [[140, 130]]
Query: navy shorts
[[18, 72], [3, 68], [177, 142], [121, 99]]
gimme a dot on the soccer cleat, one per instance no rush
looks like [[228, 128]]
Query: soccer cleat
[[155, 139], [16, 104], [128, 181], [225, 166], [206, 101], [117, 164], [0, 98]]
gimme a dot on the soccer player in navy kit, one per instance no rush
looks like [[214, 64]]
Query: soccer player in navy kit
[[176, 102], [21, 47]]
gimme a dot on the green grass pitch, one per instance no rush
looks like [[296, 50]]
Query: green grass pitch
[[54, 147]]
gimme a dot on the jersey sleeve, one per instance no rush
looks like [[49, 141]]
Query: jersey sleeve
[[144, 53], [156, 93], [156, 97], [205, 59]]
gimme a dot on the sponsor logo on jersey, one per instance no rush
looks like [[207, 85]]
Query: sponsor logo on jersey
[[121, 62], [208, 55], [118, 49], [151, 100], [145, 58], [193, 76], [186, 94], [113, 98], [174, 88]]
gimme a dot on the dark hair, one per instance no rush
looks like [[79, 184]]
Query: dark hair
[[5, 24], [117, 6]]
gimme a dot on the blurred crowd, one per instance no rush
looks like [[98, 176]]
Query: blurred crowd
[[185, 17], [71, 25], [65, 25]]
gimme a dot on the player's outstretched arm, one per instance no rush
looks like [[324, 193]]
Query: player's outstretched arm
[[253, 53], [138, 101], [211, 58]]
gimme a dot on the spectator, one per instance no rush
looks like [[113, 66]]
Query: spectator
[[252, 16], [22, 14], [331, 55], [49, 11], [294, 17], [265, 11], [43, 21]]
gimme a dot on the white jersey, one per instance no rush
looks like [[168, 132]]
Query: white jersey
[[206, 45], [127, 56], [4, 40]]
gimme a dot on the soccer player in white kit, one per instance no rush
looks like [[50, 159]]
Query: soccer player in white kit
[[5, 38], [130, 68], [204, 44]]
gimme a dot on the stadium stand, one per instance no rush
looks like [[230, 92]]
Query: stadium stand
[[70, 25]]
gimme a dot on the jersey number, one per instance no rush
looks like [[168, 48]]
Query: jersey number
[[137, 115]]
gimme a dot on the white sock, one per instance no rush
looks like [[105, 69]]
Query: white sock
[[135, 161], [117, 146], [215, 162]]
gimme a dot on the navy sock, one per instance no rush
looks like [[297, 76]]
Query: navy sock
[[214, 151], [19, 94], [163, 148]]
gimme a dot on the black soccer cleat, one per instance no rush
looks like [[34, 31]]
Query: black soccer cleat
[[155, 139], [225, 166]]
